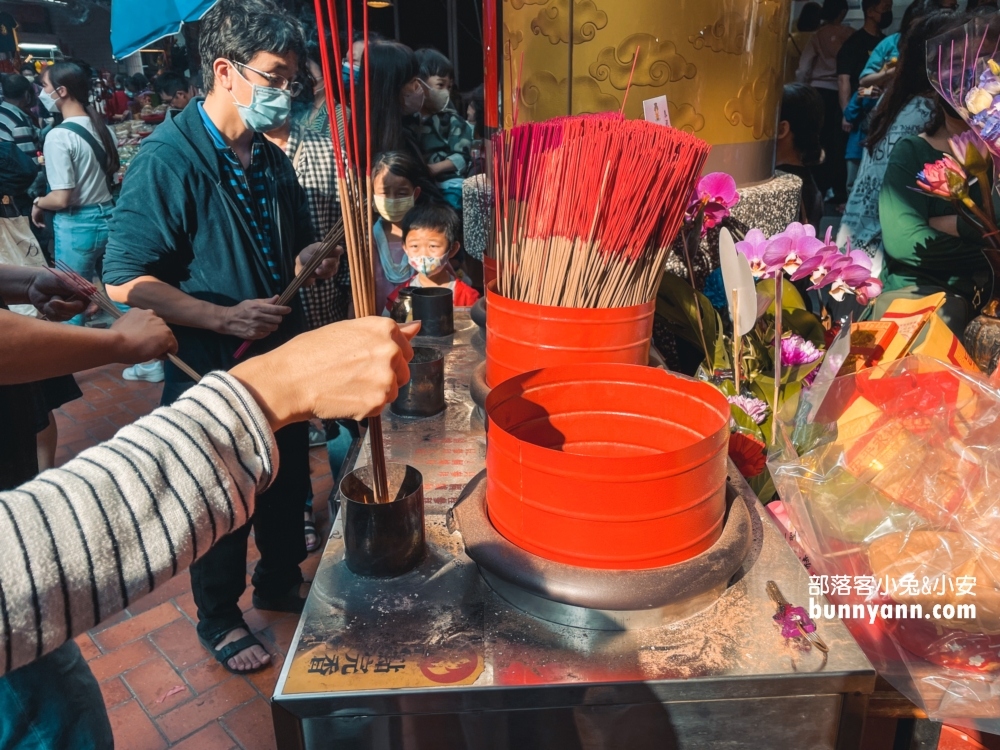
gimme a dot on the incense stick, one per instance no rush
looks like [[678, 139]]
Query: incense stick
[[353, 169], [333, 238], [586, 207], [86, 289]]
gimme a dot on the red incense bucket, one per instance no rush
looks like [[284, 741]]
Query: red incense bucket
[[521, 336], [489, 270], [607, 466]]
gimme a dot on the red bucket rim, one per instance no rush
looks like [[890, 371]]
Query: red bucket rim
[[640, 467]]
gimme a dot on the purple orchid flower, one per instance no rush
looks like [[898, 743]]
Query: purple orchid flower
[[791, 248], [753, 246], [848, 273], [868, 291], [796, 350], [715, 194], [817, 266]]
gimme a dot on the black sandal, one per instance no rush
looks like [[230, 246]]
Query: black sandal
[[227, 652], [310, 528]]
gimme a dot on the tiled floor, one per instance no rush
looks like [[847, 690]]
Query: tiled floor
[[162, 689]]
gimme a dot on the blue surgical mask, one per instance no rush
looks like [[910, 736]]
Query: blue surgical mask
[[345, 73], [269, 108]]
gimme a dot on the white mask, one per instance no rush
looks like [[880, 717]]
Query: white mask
[[393, 209], [437, 99], [48, 101], [413, 101], [426, 264]]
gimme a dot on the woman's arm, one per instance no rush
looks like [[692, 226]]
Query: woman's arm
[[87, 540], [38, 349]]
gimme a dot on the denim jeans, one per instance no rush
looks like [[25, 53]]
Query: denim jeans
[[81, 235], [54, 703]]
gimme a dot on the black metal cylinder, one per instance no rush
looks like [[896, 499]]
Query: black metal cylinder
[[435, 309], [382, 540], [423, 395]]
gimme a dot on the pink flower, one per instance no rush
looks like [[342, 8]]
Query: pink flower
[[848, 272], [868, 291], [795, 350], [753, 246], [755, 408], [715, 194], [791, 248], [817, 266], [940, 177]]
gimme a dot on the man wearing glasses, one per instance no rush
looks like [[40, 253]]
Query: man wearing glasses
[[210, 227], [175, 90]]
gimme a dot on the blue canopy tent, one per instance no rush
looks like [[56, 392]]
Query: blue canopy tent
[[137, 23]]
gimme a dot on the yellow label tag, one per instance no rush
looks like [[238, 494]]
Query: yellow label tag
[[324, 669]]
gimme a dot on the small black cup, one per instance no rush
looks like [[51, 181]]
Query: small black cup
[[382, 540], [423, 396], [435, 309]]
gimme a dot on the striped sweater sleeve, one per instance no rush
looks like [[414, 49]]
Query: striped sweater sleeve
[[85, 541]]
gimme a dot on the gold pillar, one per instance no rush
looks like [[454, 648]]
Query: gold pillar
[[720, 64]]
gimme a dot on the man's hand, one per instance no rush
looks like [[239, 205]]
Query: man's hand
[[326, 270], [846, 126], [142, 336], [53, 297], [253, 318], [37, 216], [348, 370]]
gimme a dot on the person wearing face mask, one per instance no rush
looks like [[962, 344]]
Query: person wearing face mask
[[396, 94], [81, 155], [430, 240], [210, 227], [444, 138], [399, 182]]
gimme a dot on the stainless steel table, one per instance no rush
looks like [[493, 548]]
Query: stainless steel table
[[435, 659]]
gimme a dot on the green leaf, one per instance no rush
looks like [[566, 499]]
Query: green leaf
[[790, 297], [807, 325], [728, 387], [763, 487], [685, 310], [745, 423]]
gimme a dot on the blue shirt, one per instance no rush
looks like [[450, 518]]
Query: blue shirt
[[249, 188], [884, 51]]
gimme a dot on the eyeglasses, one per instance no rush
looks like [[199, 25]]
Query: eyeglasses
[[274, 80]]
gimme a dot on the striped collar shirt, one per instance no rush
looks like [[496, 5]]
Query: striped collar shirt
[[249, 188], [16, 127]]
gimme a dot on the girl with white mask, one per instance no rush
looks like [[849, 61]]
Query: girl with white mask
[[399, 180]]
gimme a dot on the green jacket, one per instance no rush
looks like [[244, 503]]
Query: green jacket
[[443, 135], [916, 254]]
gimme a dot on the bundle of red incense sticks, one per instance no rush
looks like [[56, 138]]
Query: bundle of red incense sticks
[[353, 158], [586, 207]]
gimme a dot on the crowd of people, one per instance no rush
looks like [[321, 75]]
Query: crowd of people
[[222, 205], [857, 124]]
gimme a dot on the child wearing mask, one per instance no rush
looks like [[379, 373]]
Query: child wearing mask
[[430, 240], [399, 181], [443, 136]]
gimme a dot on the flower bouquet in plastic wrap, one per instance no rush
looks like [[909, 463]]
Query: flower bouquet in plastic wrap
[[963, 65], [890, 477]]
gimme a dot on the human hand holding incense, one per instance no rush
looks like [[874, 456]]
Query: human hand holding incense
[[326, 270], [51, 295], [142, 335], [253, 318], [350, 369]]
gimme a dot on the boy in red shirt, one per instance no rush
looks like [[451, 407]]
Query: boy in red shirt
[[430, 241]]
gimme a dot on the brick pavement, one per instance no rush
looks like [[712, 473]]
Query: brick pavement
[[162, 689]]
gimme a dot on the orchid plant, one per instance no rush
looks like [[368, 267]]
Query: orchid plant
[[781, 353], [951, 178]]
